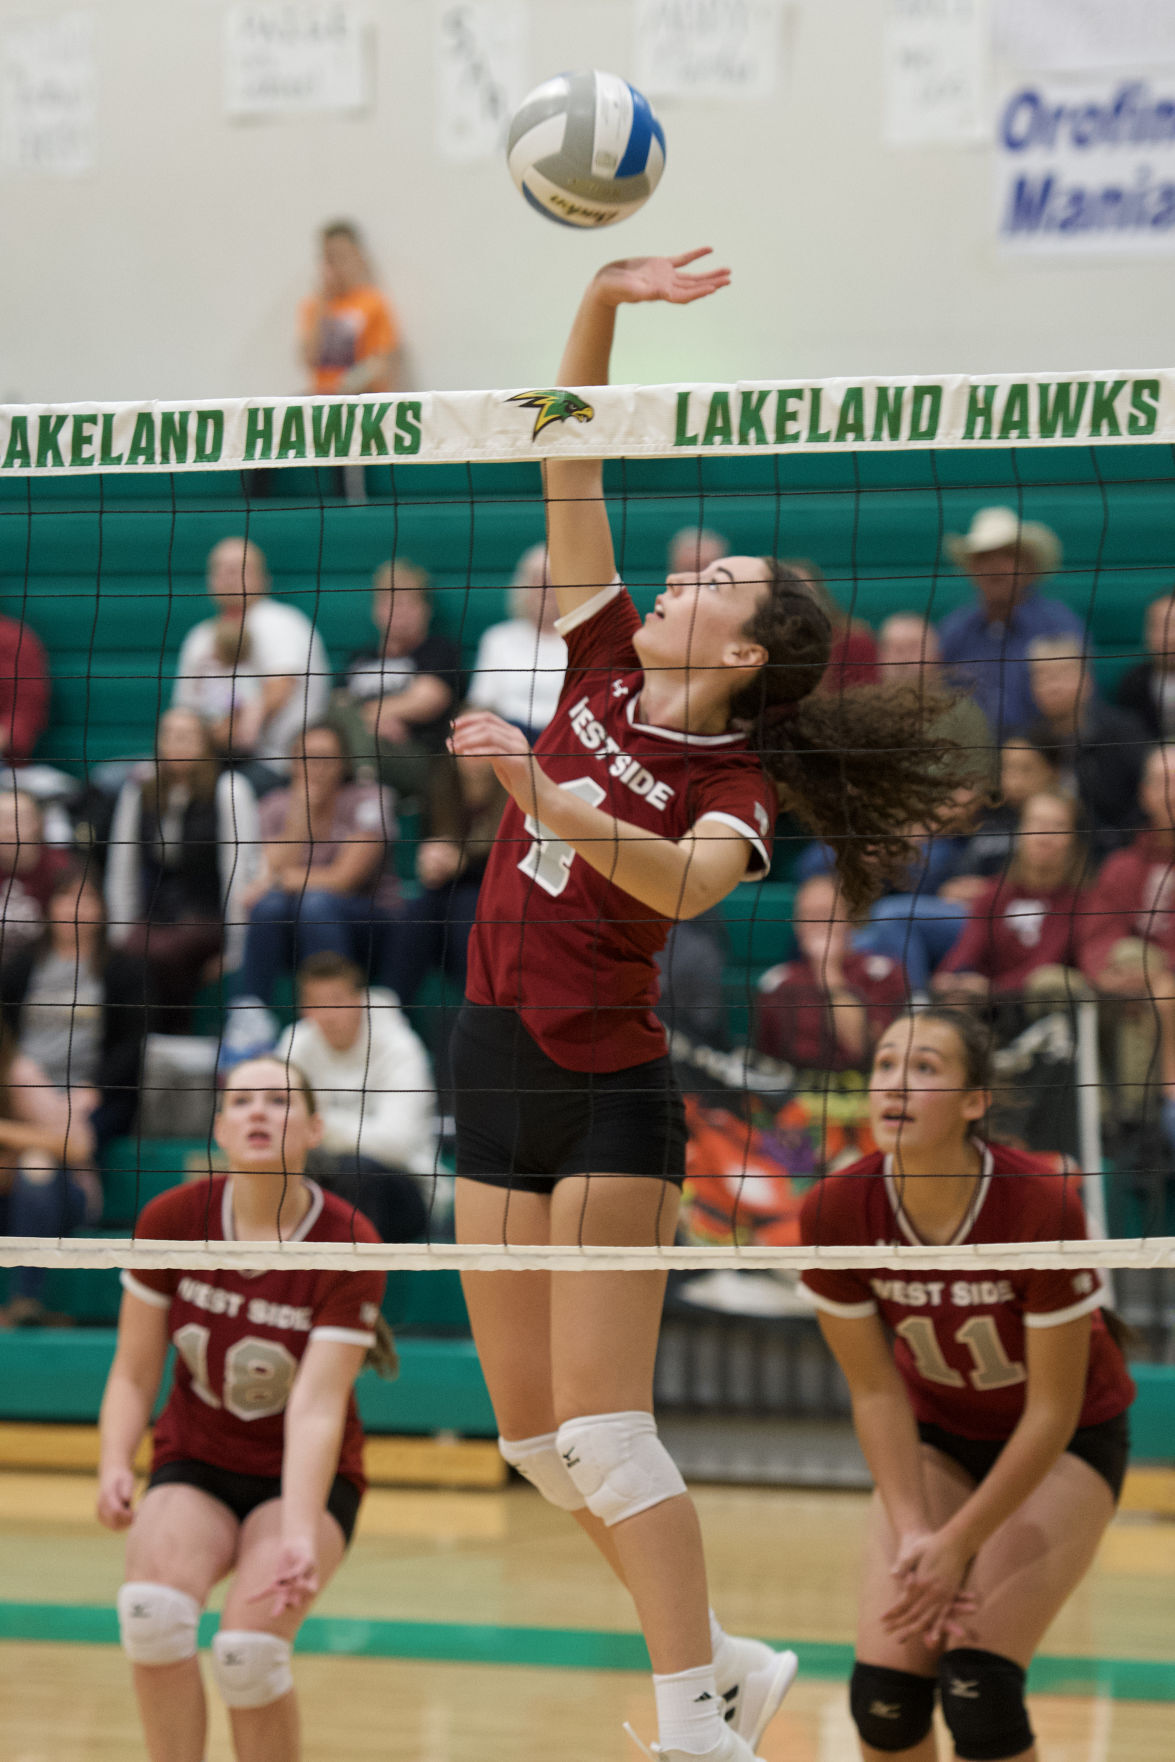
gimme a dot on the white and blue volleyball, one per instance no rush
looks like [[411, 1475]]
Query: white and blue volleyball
[[585, 149]]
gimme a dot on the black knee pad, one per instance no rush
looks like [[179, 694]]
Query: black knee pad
[[892, 1709], [983, 1704]]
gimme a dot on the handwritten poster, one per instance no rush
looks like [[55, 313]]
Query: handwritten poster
[[48, 95], [935, 72], [288, 57], [708, 48], [1079, 36], [481, 75]]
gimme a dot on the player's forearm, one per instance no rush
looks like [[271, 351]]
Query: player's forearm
[[314, 1436], [675, 880], [1035, 1445], [124, 1415], [888, 1436], [588, 351]]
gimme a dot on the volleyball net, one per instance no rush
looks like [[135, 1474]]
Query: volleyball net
[[109, 515]]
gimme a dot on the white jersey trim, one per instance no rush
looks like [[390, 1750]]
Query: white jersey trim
[[751, 836], [966, 1223], [1052, 1318], [144, 1293], [848, 1311], [298, 1235], [589, 608], [348, 1336], [679, 735]]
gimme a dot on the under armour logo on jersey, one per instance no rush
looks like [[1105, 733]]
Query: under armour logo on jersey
[[140, 1611], [619, 689], [964, 1690], [886, 1710]]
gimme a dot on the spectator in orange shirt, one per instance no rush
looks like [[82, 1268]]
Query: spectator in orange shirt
[[350, 337]]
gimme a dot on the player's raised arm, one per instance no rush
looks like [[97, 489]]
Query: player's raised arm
[[579, 537]]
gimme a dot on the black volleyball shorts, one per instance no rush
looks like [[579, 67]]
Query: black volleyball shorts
[[1106, 1448], [243, 1493], [525, 1123]]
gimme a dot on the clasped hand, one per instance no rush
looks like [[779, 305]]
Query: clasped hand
[[932, 1605]]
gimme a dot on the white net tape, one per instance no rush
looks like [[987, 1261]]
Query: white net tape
[[1154, 1251], [604, 422]]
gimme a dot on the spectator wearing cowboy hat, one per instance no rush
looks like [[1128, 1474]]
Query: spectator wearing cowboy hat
[[985, 644]]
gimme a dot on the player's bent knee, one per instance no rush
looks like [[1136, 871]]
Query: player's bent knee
[[538, 1461], [892, 1709], [157, 1623], [983, 1704], [619, 1464], [251, 1669]]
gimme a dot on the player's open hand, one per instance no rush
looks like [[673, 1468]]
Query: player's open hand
[[931, 1605], [633, 279], [482, 735], [116, 1496], [294, 1584]]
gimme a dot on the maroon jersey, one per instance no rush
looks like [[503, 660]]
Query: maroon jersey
[[1013, 930], [574, 954], [240, 1336], [959, 1336]]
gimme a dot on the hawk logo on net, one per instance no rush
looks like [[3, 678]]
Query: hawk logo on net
[[553, 406]]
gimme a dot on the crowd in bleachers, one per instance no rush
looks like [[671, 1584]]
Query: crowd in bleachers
[[302, 825]]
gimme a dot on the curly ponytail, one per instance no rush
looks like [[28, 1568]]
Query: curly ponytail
[[863, 768]]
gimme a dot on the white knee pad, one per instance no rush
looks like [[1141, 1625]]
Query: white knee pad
[[619, 1464], [251, 1669], [539, 1461], [157, 1623]]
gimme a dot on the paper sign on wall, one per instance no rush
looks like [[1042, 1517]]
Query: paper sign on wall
[[481, 75], [1085, 164], [935, 72], [287, 57], [1085, 35], [707, 48], [48, 102]]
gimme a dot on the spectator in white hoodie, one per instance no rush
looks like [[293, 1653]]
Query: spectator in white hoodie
[[371, 1076]]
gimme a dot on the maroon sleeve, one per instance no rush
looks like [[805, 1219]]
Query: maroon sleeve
[[600, 640], [1056, 1295], [823, 1222], [169, 1217], [346, 1304], [24, 690], [972, 952], [742, 796]]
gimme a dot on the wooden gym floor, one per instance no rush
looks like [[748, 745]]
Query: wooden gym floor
[[475, 1624]]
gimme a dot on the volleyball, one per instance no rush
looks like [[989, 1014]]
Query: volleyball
[[586, 149]]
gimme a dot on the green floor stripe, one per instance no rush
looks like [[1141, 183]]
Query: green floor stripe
[[560, 1648]]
